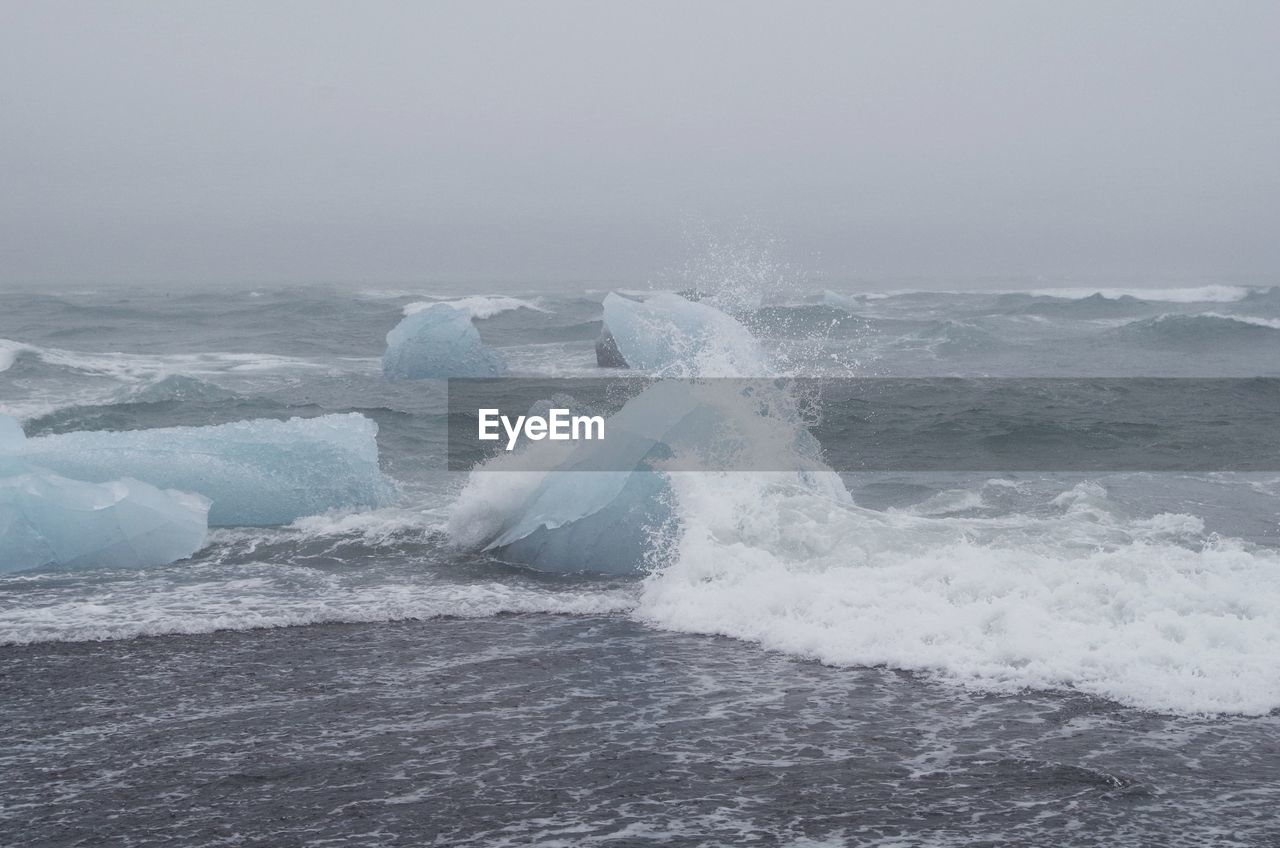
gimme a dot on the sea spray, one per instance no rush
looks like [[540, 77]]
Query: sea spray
[[1148, 612], [608, 507]]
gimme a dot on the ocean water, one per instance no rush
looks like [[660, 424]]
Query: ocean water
[[950, 658]]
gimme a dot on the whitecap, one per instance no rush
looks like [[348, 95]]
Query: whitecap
[[480, 306]]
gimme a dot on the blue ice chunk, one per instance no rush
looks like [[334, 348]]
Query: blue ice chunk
[[438, 342], [608, 506], [11, 435], [260, 472], [589, 516], [617, 536], [12, 441], [665, 332], [46, 520]]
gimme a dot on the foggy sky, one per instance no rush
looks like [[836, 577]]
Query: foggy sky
[[377, 142]]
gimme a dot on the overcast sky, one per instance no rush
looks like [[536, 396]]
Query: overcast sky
[[272, 141]]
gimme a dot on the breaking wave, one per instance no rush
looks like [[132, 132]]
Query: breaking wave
[[1186, 294], [9, 353], [1148, 612], [138, 367], [479, 306], [267, 595], [1198, 332]]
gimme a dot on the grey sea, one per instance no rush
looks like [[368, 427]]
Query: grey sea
[[945, 657]]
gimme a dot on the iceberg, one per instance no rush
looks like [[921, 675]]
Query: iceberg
[[11, 436], [667, 333], [46, 519], [258, 472], [438, 342]]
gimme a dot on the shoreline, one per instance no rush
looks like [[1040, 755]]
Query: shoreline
[[590, 730]]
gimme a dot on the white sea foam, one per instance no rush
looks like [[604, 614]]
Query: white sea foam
[[109, 376], [480, 306], [1146, 612], [949, 502], [1273, 323], [376, 526], [1188, 294], [136, 367], [270, 595], [9, 351], [856, 299]]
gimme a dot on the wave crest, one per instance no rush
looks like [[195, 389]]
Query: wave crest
[[1199, 332]]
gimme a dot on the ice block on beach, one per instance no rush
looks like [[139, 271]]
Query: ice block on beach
[[46, 519], [259, 472]]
